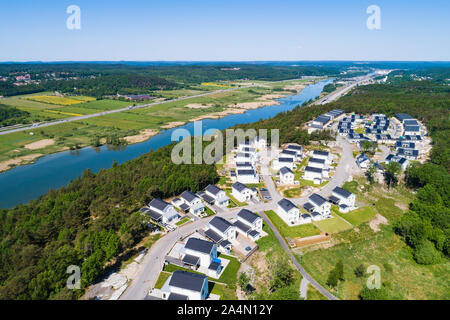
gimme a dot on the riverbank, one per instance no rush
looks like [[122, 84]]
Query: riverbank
[[139, 125]]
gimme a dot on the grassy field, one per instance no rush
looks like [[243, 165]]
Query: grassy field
[[81, 133], [358, 216], [407, 279], [63, 101], [314, 294], [333, 225], [304, 230], [182, 221], [163, 276]]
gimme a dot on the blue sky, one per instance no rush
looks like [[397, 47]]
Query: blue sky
[[224, 30]]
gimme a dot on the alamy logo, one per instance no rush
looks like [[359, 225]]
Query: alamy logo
[[374, 20], [73, 22], [182, 152], [374, 280], [74, 281]]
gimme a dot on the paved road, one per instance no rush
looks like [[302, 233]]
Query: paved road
[[343, 90], [46, 124], [153, 261]]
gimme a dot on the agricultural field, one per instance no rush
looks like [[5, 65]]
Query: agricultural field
[[60, 100]]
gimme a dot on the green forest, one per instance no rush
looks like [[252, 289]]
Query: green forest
[[10, 116]]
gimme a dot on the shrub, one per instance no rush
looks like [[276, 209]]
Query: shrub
[[426, 253]]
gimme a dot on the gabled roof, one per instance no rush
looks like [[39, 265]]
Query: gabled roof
[[213, 189], [295, 147], [285, 151], [316, 160], [187, 280], [286, 204], [239, 186], [342, 192], [321, 153], [188, 195], [247, 215], [285, 160], [214, 236], [308, 206], [322, 119], [242, 226], [190, 260], [412, 128], [403, 116], [243, 164], [313, 169], [246, 172], [154, 215], [176, 296], [317, 199], [158, 204], [285, 170], [199, 245], [220, 224], [411, 122]]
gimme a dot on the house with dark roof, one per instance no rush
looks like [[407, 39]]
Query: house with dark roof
[[249, 224], [224, 228], [220, 197], [362, 161], [184, 285], [286, 176], [412, 130], [325, 155], [405, 144], [346, 198], [403, 116], [313, 174], [288, 211], [403, 162], [289, 154], [166, 210], [247, 176], [410, 154], [321, 205], [196, 206], [242, 193], [282, 161], [317, 163], [199, 254], [298, 149]]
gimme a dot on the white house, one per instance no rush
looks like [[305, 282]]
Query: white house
[[410, 154], [289, 154], [318, 204], [283, 162], [201, 253], [286, 176], [244, 144], [321, 120], [298, 149], [346, 198], [220, 197], [166, 211], [184, 285], [412, 130], [288, 211], [313, 174], [259, 143], [317, 163], [241, 192], [244, 166], [244, 157], [247, 176], [362, 161], [306, 218], [403, 162], [319, 154], [196, 206], [223, 228], [249, 224]]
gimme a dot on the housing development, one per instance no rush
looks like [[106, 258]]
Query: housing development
[[225, 156]]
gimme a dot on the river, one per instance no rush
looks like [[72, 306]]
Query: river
[[23, 183]]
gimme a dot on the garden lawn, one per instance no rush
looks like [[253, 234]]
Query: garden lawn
[[301, 231], [333, 225]]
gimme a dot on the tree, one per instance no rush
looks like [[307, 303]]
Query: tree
[[375, 294], [340, 270], [370, 173], [333, 278], [243, 280], [282, 275], [360, 271], [391, 173], [426, 253]]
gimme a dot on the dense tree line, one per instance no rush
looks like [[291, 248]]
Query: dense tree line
[[11, 116], [86, 223]]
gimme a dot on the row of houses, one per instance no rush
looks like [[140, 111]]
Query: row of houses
[[245, 161], [318, 167], [323, 120]]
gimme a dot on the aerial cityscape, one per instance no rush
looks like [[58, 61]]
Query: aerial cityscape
[[224, 160]]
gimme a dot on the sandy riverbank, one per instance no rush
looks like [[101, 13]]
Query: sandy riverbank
[[39, 144], [142, 136], [9, 164]]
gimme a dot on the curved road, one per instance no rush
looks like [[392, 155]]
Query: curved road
[[154, 259]]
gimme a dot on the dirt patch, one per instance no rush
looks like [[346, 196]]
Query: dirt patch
[[198, 106], [174, 124], [220, 114], [301, 242], [271, 96], [8, 164], [375, 222], [39, 144], [296, 87], [254, 105], [142, 136]]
